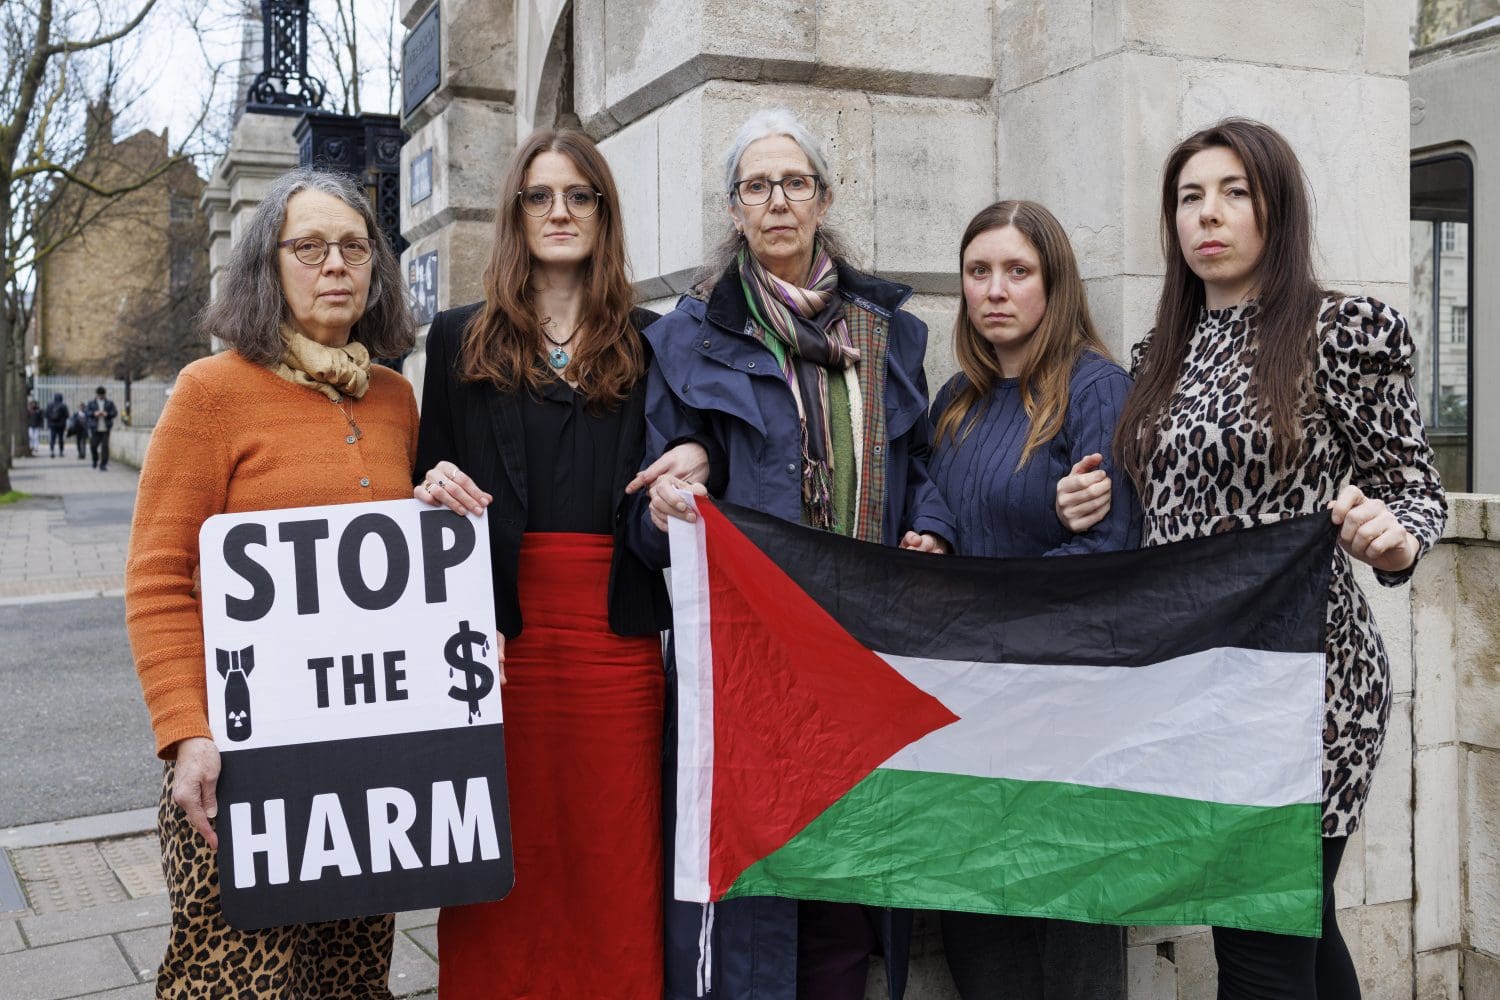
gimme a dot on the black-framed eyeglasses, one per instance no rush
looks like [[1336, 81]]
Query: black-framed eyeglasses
[[311, 250], [581, 202], [796, 187]]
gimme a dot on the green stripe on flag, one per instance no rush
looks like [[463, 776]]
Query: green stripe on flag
[[1050, 849]]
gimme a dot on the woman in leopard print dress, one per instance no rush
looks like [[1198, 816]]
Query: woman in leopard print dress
[[251, 429], [1260, 396]]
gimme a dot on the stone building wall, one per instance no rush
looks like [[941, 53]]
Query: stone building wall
[[1456, 758], [931, 109], [261, 148], [88, 284]]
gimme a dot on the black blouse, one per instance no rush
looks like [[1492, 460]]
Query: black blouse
[[571, 454]]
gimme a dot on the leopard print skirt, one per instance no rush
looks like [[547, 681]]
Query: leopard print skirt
[[337, 960]]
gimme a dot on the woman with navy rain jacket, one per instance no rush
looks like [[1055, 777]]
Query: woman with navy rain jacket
[[802, 377]]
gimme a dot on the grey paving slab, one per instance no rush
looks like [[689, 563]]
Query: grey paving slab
[[426, 939], [416, 918], [64, 878], [136, 862], [412, 969], [64, 970], [144, 948], [10, 936], [109, 918], [70, 534]]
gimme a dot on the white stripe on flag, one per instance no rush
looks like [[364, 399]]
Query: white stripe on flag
[[695, 701], [1236, 726]]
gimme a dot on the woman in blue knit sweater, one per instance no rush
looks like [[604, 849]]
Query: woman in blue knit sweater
[[1036, 396]]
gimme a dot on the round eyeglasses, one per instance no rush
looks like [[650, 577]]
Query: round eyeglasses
[[758, 190], [581, 202], [312, 251]]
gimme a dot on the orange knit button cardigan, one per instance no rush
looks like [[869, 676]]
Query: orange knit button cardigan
[[236, 437]]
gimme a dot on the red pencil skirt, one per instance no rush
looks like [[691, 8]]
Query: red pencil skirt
[[583, 721]]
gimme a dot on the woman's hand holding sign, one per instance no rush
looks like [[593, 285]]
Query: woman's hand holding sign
[[446, 485], [195, 783]]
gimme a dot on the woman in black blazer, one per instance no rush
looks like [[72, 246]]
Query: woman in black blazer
[[533, 407]]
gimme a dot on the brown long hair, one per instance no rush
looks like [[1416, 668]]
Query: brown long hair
[[1287, 297], [1065, 332], [504, 339]]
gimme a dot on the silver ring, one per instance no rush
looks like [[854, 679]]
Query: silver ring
[[439, 483]]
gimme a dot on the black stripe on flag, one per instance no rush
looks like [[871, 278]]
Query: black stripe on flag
[[1259, 588]]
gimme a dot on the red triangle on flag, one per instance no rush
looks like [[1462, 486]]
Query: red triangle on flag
[[802, 710]]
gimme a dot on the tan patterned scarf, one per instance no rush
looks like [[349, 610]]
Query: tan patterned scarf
[[333, 371]]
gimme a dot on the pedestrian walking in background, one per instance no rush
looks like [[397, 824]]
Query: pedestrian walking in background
[[35, 421], [293, 413], [101, 417], [78, 430], [1261, 395], [1036, 392], [57, 425]]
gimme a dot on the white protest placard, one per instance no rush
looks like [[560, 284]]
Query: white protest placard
[[352, 691]]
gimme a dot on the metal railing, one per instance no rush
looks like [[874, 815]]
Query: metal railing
[[142, 401]]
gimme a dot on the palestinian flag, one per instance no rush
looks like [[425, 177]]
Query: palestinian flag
[[1125, 738]]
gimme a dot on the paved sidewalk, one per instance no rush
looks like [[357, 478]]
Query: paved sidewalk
[[67, 538], [83, 909]]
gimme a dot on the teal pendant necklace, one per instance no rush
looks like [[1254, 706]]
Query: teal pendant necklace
[[558, 357]]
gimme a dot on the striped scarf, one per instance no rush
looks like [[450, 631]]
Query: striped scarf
[[804, 328]]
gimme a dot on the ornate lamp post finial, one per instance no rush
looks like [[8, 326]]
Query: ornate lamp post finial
[[283, 84]]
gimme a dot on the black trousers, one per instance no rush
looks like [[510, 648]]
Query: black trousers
[[99, 448], [1028, 958], [1258, 966]]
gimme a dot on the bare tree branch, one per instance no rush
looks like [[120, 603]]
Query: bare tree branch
[[109, 39]]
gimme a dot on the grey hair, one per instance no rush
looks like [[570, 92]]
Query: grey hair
[[773, 122], [763, 125], [251, 306]]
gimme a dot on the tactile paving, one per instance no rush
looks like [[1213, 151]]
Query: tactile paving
[[136, 861], [66, 877]]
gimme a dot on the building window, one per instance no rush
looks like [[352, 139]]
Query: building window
[[1442, 297], [182, 209], [1458, 325]]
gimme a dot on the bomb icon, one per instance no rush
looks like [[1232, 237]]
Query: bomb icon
[[235, 666]]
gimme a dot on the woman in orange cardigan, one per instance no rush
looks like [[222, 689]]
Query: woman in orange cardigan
[[293, 412]]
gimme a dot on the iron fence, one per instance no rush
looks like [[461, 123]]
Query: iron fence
[[142, 403]]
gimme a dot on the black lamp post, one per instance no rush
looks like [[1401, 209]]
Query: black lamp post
[[283, 85]]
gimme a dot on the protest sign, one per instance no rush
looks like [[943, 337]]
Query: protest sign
[[352, 691]]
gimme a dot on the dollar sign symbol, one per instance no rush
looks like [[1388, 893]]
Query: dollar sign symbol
[[478, 678]]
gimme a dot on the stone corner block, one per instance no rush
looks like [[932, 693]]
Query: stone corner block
[[934, 167]]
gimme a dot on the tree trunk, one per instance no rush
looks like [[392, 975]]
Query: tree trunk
[[9, 377], [10, 401]]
